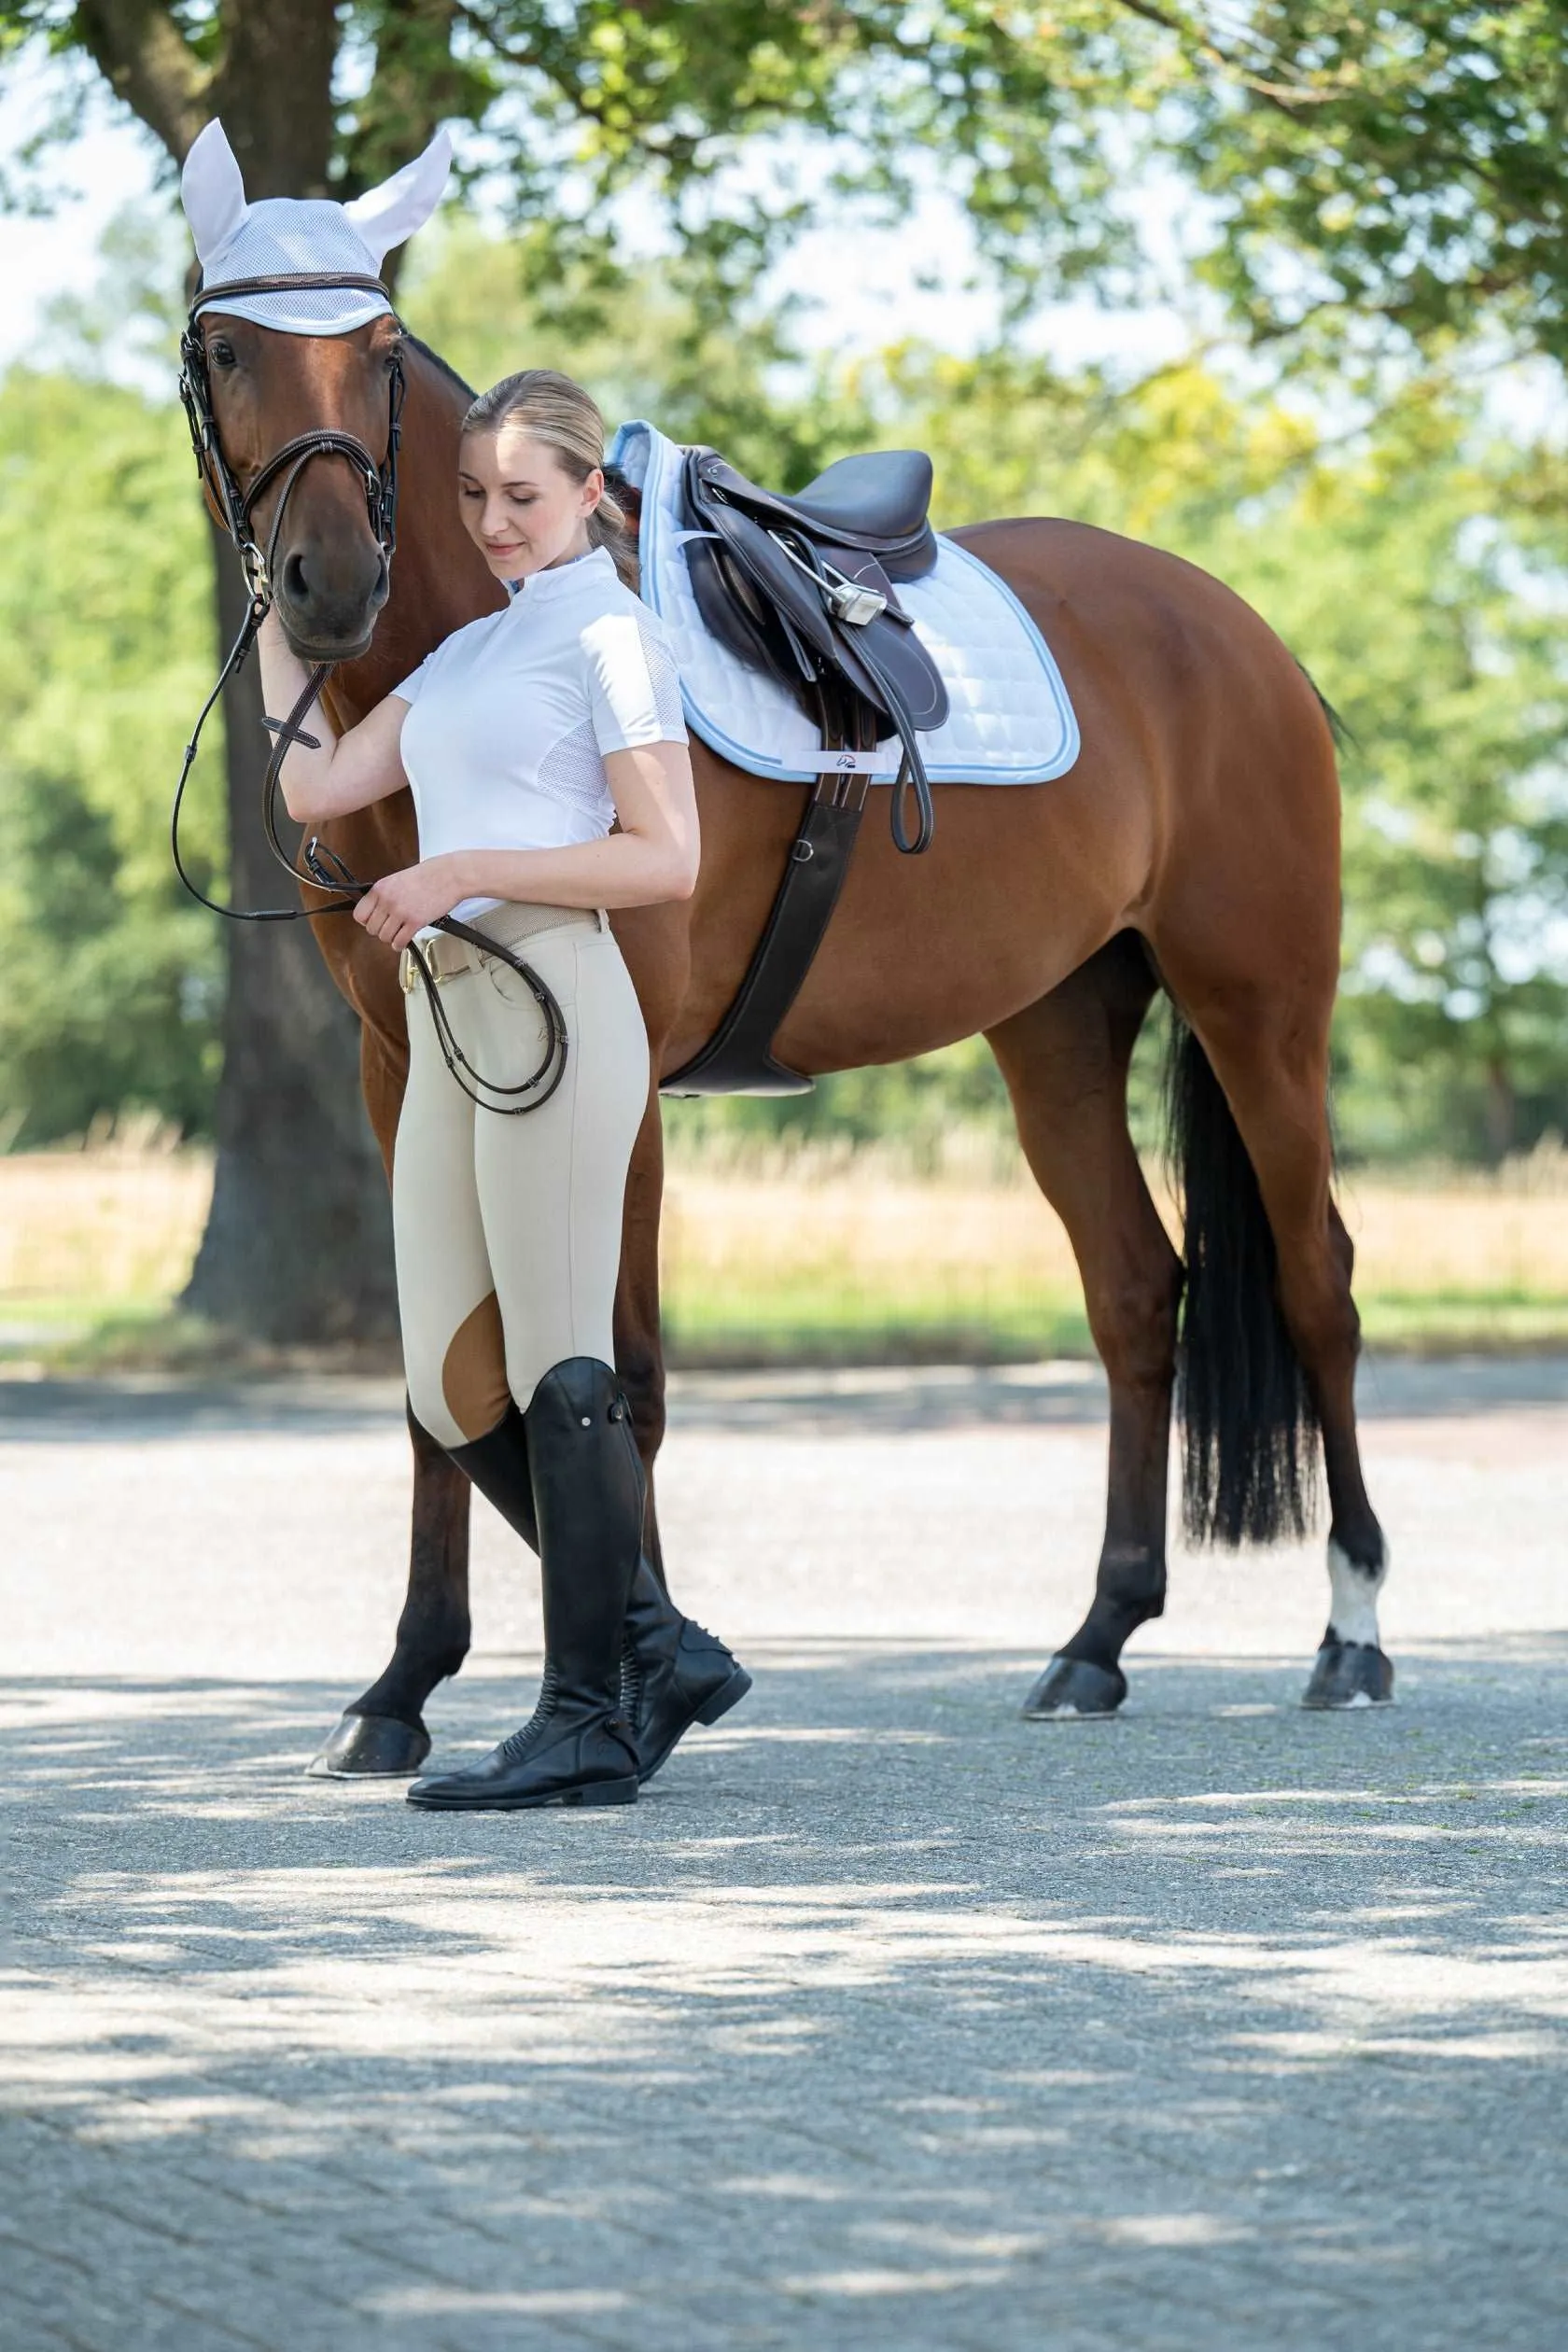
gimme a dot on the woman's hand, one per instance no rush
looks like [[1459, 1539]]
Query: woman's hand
[[394, 908], [343, 772]]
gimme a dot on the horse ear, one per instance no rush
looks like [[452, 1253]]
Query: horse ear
[[212, 191], [391, 214]]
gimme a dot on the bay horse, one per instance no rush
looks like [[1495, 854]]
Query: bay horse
[[1194, 847]]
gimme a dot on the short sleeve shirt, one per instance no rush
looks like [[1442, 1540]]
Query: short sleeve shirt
[[504, 743]]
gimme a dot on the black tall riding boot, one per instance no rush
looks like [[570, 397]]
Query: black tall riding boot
[[587, 1494], [673, 1671]]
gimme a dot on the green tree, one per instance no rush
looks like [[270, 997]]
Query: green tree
[[1398, 164], [114, 980]]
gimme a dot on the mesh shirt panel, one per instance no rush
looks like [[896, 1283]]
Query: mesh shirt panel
[[665, 681], [573, 772]]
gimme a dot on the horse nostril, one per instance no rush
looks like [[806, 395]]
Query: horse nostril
[[295, 582]]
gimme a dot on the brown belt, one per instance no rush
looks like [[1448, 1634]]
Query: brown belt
[[508, 926]]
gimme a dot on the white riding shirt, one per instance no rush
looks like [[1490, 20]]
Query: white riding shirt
[[510, 719]]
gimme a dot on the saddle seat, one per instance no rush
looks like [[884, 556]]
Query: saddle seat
[[864, 501]]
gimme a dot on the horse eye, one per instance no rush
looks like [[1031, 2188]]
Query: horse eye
[[221, 353]]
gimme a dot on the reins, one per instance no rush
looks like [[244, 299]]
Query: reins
[[324, 870]]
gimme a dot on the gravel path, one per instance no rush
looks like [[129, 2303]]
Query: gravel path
[[886, 2019]]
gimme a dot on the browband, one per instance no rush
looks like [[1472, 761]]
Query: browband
[[286, 282]]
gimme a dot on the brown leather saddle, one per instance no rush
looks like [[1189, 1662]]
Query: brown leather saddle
[[804, 588]]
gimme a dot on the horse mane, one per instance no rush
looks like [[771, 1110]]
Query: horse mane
[[1345, 737], [437, 362]]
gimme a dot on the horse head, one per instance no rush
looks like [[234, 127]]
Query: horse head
[[317, 521], [293, 381]]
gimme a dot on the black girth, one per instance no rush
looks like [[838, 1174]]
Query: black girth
[[324, 870]]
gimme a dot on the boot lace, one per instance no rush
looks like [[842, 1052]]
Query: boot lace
[[631, 1686], [518, 1745]]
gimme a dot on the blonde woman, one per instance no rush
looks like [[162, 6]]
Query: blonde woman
[[525, 737]]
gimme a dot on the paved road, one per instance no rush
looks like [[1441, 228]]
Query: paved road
[[886, 2018]]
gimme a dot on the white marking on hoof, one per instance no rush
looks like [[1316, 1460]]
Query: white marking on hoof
[[1353, 1598]]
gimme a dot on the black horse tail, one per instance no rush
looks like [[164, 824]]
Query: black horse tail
[[1250, 1431]]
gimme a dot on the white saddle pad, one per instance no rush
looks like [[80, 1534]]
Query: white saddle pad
[[1010, 721]]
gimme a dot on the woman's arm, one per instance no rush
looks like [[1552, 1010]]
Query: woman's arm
[[651, 857], [347, 772]]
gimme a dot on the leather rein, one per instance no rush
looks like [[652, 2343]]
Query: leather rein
[[234, 508]]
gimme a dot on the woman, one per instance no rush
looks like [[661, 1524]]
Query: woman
[[523, 738]]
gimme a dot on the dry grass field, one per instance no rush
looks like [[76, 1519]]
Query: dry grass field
[[105, 1229], [831, 1258]]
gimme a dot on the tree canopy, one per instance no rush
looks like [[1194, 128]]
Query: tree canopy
[[1398, 166]]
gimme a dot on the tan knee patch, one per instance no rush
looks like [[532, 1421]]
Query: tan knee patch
[[473, 1372]]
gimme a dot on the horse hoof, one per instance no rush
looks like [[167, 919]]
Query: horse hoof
[[1351, 1674], [372, 1747], [1071, 1689]]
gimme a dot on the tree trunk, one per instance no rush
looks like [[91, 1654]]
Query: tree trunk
[[298, 1245], [1501, 1109]]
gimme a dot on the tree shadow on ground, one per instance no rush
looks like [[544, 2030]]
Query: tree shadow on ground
[[879, 1399], [885, 2018]]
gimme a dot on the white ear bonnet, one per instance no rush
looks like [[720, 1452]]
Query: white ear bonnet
[[281, 234]]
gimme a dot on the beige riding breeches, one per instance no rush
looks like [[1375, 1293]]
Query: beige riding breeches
[[508, 1230]]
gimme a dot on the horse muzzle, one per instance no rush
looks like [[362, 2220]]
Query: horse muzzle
[[328, 619]]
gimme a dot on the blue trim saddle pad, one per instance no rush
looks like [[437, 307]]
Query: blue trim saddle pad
[[1010, 721]]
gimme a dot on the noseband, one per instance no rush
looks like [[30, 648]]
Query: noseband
[[324, 870]]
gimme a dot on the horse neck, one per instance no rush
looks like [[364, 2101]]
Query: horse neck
[[440, 580]]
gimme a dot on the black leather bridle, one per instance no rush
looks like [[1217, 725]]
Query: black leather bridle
[[236, 506], [324, 870]]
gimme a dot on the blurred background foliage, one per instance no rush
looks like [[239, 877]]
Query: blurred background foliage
[[1413, 561]]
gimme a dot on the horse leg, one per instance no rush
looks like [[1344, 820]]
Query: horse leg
[[383, 1732], [1065, 1061], [674, 1673], [639, 1355], [1270, 1056]]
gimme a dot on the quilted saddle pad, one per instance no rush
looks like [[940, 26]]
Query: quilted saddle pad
[[1010, 720]]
